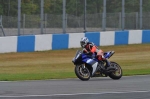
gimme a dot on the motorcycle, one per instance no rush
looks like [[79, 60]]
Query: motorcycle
[[84, 70]]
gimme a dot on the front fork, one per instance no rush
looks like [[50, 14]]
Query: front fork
[[83, 66]]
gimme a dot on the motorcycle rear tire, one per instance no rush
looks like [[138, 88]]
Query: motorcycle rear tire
[[113, 75]]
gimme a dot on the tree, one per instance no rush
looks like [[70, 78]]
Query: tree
[[94, 7], [146, 7], [1, 10], [28, 7], [74, 7]]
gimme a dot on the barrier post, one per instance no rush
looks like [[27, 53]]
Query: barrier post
[[19, 16], [1, 25]]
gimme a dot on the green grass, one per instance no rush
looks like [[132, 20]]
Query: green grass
[[36, 76], [56, 64]]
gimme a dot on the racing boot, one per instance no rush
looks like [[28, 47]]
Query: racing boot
[[108, 66]]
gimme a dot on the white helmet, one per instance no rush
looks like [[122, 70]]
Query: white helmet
[[84, 41]]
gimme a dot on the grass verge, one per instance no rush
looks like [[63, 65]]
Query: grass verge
[[56, 64]]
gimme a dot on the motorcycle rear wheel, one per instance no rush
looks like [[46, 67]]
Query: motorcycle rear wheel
[[82, 73], [118, 73]]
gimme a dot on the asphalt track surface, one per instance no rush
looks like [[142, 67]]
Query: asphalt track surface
[[132, 87]]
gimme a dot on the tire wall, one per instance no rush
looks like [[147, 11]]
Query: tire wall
[[30, 43]]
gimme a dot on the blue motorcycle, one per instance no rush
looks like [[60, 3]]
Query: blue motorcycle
[[84, 70]]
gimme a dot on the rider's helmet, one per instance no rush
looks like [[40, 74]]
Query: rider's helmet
[[84, 42]]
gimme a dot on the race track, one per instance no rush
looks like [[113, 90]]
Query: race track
[[133, 87]]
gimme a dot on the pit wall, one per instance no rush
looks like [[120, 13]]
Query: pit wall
[[44, 42]]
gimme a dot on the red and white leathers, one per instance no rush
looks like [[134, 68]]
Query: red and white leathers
[[93, 49]]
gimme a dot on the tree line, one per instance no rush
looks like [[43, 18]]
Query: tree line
[[73, 7]]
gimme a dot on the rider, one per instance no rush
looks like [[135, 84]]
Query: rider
[[89, 47]]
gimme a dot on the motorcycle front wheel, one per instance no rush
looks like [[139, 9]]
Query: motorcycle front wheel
[[82, 72]]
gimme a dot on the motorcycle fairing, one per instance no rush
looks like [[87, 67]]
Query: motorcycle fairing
[[87, 59], [91, 62], [107, 54]]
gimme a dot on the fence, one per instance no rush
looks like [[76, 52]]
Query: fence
[[75, 19]]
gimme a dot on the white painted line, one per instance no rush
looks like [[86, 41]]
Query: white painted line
[[1, 96]]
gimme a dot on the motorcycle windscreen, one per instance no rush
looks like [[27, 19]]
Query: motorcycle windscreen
[[77, 57]]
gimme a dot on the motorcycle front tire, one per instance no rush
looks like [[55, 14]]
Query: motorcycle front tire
[[82, 73]]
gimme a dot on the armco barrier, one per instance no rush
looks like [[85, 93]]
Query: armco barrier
[[32, 43]]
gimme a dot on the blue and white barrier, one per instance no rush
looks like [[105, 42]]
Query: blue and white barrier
[[72, 40]]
